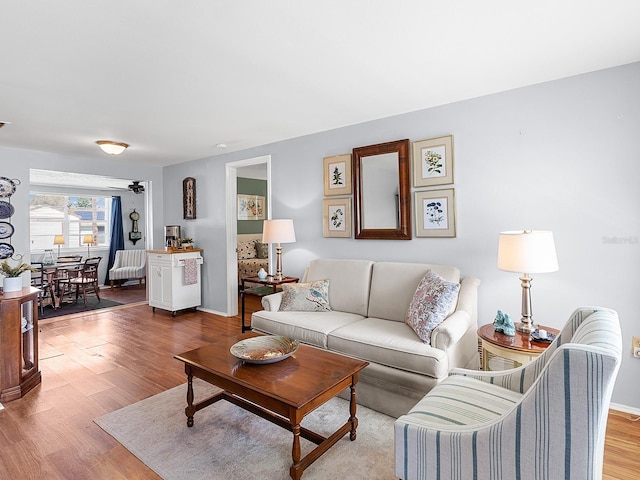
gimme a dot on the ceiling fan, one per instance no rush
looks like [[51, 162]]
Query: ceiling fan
[[135, 187]]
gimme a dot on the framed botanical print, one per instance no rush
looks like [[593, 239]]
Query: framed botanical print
[[189, 198], [337, 175], [336, 217], [433, 162], [435, 213], [250, 207]]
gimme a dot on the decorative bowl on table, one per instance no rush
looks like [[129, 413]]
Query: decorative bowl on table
[[265, 349]]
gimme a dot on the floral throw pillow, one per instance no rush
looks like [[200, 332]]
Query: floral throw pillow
[[431, 304], [246, 250], [305, 297]]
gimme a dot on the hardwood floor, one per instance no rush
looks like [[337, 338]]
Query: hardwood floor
[[105, 360]]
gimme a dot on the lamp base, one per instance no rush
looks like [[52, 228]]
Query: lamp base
[[527, 327]]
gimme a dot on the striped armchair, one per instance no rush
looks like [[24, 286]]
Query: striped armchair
[[543, 421], [128, 265]]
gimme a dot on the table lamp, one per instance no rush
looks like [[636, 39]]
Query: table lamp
[[88, 239], [526, 252], [278, 231], [58, 240]]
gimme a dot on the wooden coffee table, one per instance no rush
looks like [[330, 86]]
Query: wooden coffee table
[[282, 392]]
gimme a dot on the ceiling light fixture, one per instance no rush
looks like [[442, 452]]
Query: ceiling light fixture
[[112, 148], [2, 124], [135, 187]]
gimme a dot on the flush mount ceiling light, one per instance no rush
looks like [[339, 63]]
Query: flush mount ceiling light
[[112, 148]]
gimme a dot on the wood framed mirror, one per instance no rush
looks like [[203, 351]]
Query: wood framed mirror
[[382, 191]]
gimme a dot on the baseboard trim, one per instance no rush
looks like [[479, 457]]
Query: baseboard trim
[[215, 312], [625, 408]]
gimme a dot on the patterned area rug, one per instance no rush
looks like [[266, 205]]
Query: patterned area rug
[[228, 443]]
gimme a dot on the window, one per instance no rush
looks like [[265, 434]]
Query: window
[[70, 215]]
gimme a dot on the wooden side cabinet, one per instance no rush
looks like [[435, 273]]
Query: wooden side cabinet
[[18, 343]]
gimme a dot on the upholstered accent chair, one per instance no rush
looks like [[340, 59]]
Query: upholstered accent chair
[[128, 265], [542, 421]]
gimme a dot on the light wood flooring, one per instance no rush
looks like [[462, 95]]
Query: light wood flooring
[[105, 360]]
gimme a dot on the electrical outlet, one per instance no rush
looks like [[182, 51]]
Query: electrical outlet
[[635, 346]]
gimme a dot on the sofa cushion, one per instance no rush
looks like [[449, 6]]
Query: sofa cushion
[[432, 302], [262, 250], [350, 281], [389, 343], [246, 250], [311, 328], [305, 297], [393, 285]]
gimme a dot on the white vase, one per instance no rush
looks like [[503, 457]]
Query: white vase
[[262, 274], [12, 284]]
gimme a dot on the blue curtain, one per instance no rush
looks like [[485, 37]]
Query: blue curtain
[[117, 234]]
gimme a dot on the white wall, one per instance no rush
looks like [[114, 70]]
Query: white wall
[[563, 156]]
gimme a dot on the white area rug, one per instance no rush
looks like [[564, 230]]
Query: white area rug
[[228, 443]]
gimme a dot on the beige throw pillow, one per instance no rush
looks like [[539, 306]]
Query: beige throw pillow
[[305, 297]]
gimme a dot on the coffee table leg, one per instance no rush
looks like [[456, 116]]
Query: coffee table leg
[[295, 472], [352, 411], [190, 410]]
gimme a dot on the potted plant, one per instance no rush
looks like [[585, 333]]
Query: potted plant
[[12, 281], [186, 243]]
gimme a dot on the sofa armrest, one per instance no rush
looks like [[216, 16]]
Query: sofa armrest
[[271, 303], [454, 327]]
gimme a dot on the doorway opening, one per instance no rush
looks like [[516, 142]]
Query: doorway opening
[[257, 167]]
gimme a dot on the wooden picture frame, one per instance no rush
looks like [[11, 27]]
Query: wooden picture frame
[[433, 162], [337, 175], [435, 213], [251, 207], [336, 217], [382, 187], [189, 198]]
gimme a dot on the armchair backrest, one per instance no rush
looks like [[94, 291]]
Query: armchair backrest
[[568, 404], [90, 267], [130, 258], [585, 326]]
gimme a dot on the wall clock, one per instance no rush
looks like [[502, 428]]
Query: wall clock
[[134, 234]]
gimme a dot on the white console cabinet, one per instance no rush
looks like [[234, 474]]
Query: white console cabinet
[[166, 279]]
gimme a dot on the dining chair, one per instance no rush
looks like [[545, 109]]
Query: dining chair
[[42, 279], [87, 280]]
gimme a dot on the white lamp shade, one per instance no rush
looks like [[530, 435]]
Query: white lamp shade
[[528, 251], [58, 240], [278, 231]]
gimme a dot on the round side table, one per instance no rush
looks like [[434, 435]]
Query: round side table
[[519, 349]]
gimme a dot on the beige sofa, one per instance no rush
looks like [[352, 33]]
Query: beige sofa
[[369, 301]]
